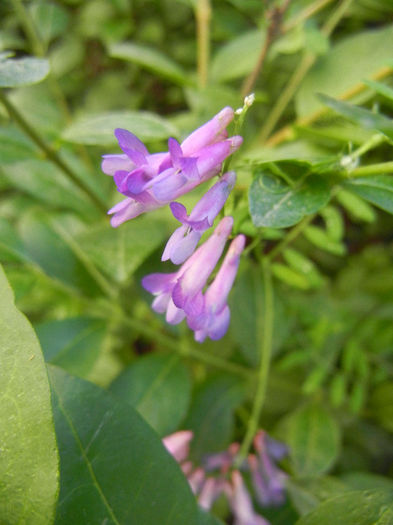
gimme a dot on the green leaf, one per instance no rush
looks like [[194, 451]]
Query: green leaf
[[355, 206], [377, 189], [151, 59], [382, 404], [347, 64], [313, 440], [15, 146], [119, 251], [159, 387], [381, 89], [51, 20], [303, 265], [114, 468], [352, 508], [72, 344], [22, 71], [307, 494], [205, 518], [276, 204], [290, 276], [321, 239], [238, 57], [28, 459], [211, 414], [99, 128], [364, 117], [43, 245]]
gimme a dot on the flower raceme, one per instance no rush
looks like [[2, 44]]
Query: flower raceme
[[150, 181], [180, 294]]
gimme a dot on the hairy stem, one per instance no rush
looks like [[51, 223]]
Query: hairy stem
[[298, 75], [265, 307], [203, 16], [49, 152]]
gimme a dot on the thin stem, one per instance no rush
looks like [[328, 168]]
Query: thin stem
[[298, 75], [372, 143], [49, 152], [290, 237], [275, 15], [29, 29], [183, 348], [372, 169], [203, 16], [286, 132], [307, 12], [264, 365]]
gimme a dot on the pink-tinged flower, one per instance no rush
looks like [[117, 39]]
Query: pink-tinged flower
[[180, 293], [178, 444], [268, 480], [213, 319], [241, 503], [183, 241], [150, 181]]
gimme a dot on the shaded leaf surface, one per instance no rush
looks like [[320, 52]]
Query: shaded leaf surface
[[22, 71], [313, 439], [377, 189], [28, 459], [114, 468], [99, 128], [275, 204], [158, 386]]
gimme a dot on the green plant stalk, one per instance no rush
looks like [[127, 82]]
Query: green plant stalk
[[306, 13], [266, 338], [372, 169], [184, 348], [29, 29], [49, 152], [290, 237], [203, 15], [372, 143], [298, 75]]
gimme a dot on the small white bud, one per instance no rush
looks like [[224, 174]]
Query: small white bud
[[249, 100], [238, 111]]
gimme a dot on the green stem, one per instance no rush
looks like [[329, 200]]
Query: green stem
[[203, 15], [264, 366], [372, 143], [372, 169], [306, 13], [29, 29], [290, 237], [184, 348], [49, 152], [298, 75]]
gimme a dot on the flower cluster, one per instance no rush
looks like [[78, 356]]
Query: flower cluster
[[218, 476], [149, 181]]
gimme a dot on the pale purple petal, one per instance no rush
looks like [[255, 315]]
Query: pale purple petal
[[189, 168], [137, 181], [207, 134], [160, 303], [178, 444], [219, 324], [175, 152], [156, 283], [119, 178], [179, 211], [202, 263], [241, 503], [125, 210], [128, 141], [174, 315], [173, 240], [112, 163], [167, 188]]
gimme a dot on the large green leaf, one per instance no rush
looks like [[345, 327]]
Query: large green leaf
[[353, 508], [346, 64], [22, 71], [73, 344], [114, 468], [98, 128], [238, 57], [119, 251], [313, 440], [377, 189], [365, 118], [211, 414], [276, 204], [15, 146], [51, 20], [158, 386], [151, 59], [28, 459], [45, 243]]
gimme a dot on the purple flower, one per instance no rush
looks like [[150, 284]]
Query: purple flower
[[180, 293], [213, 319], [241, 503], [268, 480], [183, 241], [178, 444], [153, 180]]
